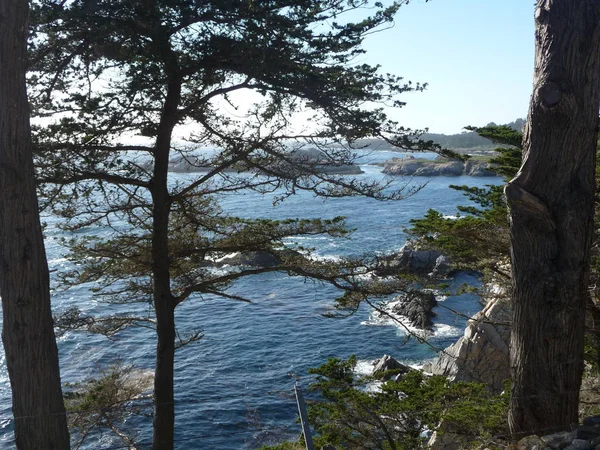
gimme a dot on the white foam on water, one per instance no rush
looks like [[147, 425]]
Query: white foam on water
[[389, 318], [445, 330], [364, 367], [57, 260], [331, 258], [223, 258], [440, 297]]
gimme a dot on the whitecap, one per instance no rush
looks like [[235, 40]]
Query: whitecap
[[445, 330], [388, 318], [364, 367]]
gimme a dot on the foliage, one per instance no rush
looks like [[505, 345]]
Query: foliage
[[478, 237], [481, 240], [107, 403], [398, 414]]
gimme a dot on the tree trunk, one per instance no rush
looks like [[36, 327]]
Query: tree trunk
[[551, 202], [28, 334], [164, 301]]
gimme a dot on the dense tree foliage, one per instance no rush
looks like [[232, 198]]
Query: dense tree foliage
[[478, 239], [400, 414]]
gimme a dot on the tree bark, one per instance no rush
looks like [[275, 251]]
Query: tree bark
[[164, 301], [28, 334], [551, 204]]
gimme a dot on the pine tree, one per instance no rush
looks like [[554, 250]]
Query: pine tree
[[105, 71]]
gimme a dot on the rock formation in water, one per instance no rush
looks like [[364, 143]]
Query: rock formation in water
[[311, 158], [411, 166], [414, 261], [417, 306], [255, 258]]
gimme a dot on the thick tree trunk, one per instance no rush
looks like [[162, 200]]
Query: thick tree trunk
[[28, 334], [164, 301], [551, 204]]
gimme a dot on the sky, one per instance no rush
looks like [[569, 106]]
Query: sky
[[476, 56]]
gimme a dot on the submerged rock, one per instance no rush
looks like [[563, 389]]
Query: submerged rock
[[417, 307]]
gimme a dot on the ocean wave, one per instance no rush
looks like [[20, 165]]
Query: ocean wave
[[364, 367], [387, 319], [445, 330]]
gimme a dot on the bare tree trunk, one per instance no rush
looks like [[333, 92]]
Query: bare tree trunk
[[164, 302], [28, 334], [551, 203]]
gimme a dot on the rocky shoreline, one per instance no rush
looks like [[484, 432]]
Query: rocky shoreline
[[411, 166], [311, 159], [584, 436]]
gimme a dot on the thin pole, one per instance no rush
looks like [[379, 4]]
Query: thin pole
[[303, 418]]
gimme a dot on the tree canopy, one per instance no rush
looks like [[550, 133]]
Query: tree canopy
[[123, 90]]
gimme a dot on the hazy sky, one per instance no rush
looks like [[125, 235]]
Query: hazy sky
[[476, 56]]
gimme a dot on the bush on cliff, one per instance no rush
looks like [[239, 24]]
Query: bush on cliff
[[399, 415]]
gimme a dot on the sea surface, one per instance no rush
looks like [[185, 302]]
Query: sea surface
[[234, 388]]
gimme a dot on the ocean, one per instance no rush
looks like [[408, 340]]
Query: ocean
[[234, 388]]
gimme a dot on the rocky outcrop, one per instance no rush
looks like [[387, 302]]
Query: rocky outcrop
[[386, 367], [312, 158], [442, 268], [482, 353], [411, 166], [320, 161], [417, 307], [416, 262], [254, 259], [581, 437]]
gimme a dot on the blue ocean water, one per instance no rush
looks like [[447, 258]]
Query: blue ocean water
[[234, 388]]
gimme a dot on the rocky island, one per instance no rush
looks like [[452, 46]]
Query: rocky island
[[304, 159], [411, 166]]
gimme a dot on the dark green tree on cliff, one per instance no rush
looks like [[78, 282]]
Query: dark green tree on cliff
[[171, 72]]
